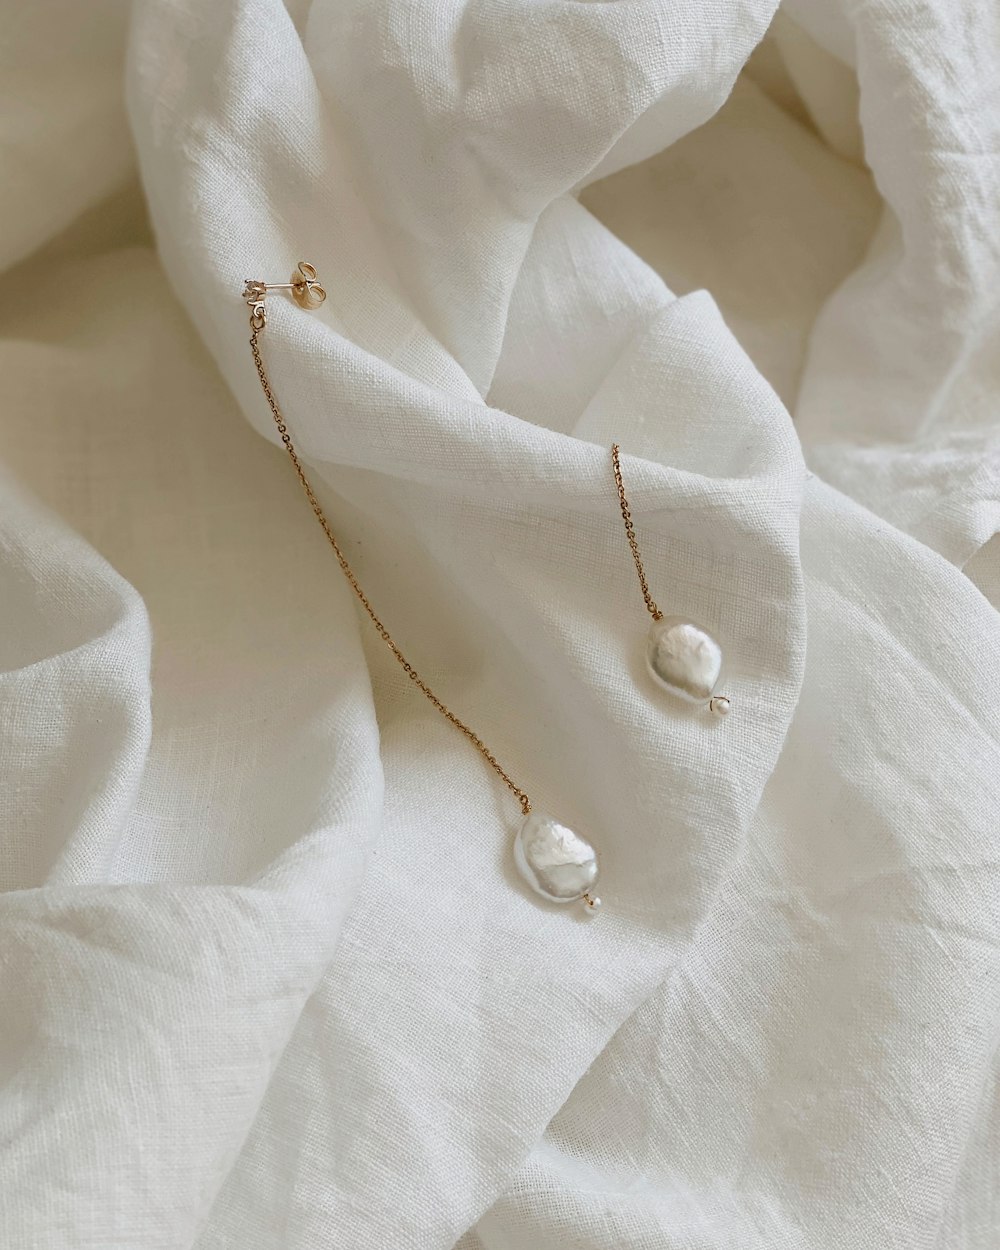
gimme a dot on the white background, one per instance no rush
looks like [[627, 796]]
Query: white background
[[268, 978]]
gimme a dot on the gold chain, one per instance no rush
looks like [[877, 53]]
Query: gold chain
[[654, 611], [256, 325]]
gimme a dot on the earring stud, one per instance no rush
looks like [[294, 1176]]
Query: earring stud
[[304, 286]]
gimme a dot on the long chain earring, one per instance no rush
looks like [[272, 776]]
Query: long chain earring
[[555, 862], [681, 656]]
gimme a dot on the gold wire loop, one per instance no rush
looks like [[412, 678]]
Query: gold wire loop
[[307, 291], [633, 542]]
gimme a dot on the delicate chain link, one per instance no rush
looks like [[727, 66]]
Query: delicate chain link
[[256, 325], [654, 611]]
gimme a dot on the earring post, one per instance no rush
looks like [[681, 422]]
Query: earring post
[[304, 286]]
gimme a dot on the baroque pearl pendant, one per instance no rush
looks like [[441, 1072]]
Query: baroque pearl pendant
[[556, 862], [684, 659]]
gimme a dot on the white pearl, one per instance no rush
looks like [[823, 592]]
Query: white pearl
[[720, 705], [556, 862], [683, 658], [591, 903]]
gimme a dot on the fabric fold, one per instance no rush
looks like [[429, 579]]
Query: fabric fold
[[270, 978]]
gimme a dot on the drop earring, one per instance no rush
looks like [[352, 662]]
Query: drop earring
[[682, 657], [556, 863]]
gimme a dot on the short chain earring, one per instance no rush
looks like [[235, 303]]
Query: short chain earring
[[681, 656]]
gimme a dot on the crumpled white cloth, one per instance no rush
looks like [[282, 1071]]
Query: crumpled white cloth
[[267, 977]]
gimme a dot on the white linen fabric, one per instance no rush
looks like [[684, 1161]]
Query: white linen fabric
[[268, 977]]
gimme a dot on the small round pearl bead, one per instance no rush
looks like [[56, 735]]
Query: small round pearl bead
[[720, 705], [591, 903]]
